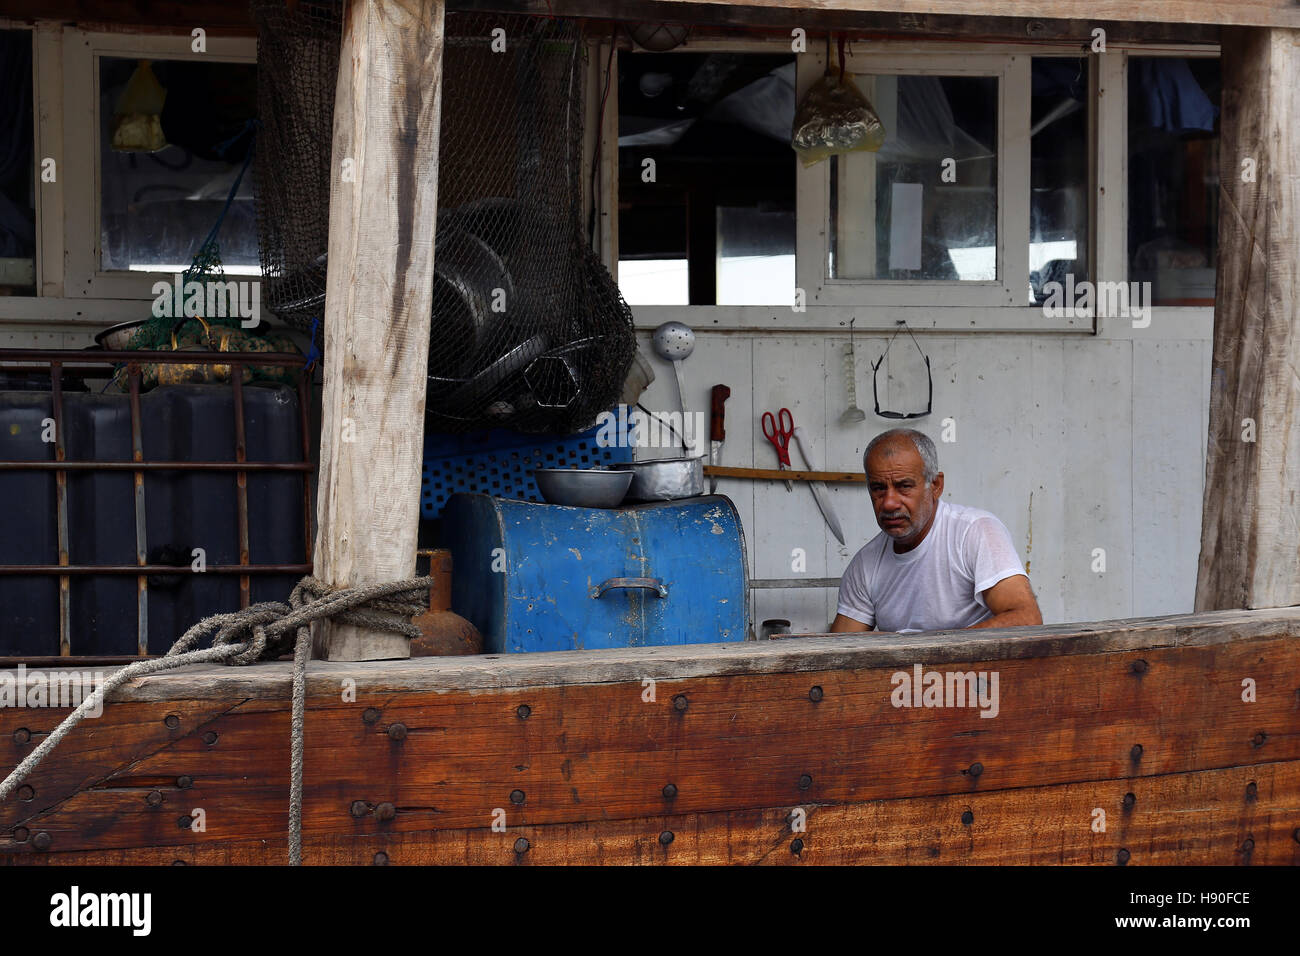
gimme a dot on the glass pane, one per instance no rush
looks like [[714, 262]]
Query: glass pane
[[1173, 177], [706, 179], [926, 205], [157, 207], [755, 256], [653, 281], [17, 169], [1058, 173]]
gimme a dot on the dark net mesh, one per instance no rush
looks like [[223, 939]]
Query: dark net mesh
[[529, 330], [297, 66]]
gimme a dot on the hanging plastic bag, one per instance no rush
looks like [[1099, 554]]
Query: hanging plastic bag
[[137, 120], [835, 118]]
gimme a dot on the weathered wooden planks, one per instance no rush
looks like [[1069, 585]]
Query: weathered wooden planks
[[1247, 12], [1250, 555], [584, 756], [805, 653], [379, 293], [1238, 816], [181, 15]]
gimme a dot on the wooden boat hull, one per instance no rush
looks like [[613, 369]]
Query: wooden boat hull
[[1137, 742]]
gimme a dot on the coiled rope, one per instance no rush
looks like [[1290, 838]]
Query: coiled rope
[[263, 632]]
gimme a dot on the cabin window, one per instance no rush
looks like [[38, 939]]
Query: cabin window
[[925, 206], [940, 215], [706, 193], [136, 215], [17, 166], [165, 177], [1173, 176], [1060, 180]]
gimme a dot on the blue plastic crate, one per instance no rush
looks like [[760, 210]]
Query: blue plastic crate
[[500, 463]]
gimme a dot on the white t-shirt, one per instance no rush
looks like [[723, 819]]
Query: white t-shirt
[[939, 584]]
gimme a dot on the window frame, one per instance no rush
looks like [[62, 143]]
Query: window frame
[[81, 175], [812, 247], [18, 26], [868, 314]]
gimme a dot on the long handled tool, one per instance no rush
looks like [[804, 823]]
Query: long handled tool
[[819, 491], [717, 429], [673, 342]]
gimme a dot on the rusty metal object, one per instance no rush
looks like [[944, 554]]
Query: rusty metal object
[[442, 632]]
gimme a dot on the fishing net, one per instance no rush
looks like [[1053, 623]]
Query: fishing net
[[297, 65], [529, 331], [161, 330]]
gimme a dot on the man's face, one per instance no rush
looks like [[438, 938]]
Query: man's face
[[903, 504]]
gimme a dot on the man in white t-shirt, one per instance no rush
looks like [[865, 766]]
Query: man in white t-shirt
[[935, 565]]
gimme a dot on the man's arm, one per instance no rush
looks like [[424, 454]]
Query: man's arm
[[845, 624], [1012, 602]]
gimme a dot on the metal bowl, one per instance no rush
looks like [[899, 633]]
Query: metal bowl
[[115, 337], [666, 479], [583, 487]]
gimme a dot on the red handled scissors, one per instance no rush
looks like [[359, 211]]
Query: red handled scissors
[[777, 429]]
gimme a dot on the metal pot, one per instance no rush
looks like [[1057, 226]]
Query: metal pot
[[665, 479]]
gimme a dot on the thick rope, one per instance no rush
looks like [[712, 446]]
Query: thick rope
[[263, 632]]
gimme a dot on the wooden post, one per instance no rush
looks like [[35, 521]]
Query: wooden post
[[1250, 532], [383, 206]]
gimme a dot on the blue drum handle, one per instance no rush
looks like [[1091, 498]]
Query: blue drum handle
[[650, 584]]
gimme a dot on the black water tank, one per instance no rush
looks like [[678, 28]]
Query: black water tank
[[183, 511]]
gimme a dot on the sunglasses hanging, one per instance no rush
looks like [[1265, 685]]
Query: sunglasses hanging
[[875, 373]]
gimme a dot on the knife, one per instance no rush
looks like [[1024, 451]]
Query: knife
[[819, 491], [717, 429]]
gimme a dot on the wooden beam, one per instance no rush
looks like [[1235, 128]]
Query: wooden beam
[[1241, 12], [716, 18], [1250, 557], [1137, 20], [1191, 21], [1182, 819], [774, 474], [582, 767], [216, 17], [673, 662], [379, 293]]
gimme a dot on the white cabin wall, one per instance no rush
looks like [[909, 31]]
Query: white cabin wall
[[44, 336], [1076, 442]]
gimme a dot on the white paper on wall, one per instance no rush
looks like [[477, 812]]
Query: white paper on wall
[[905, 226]]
